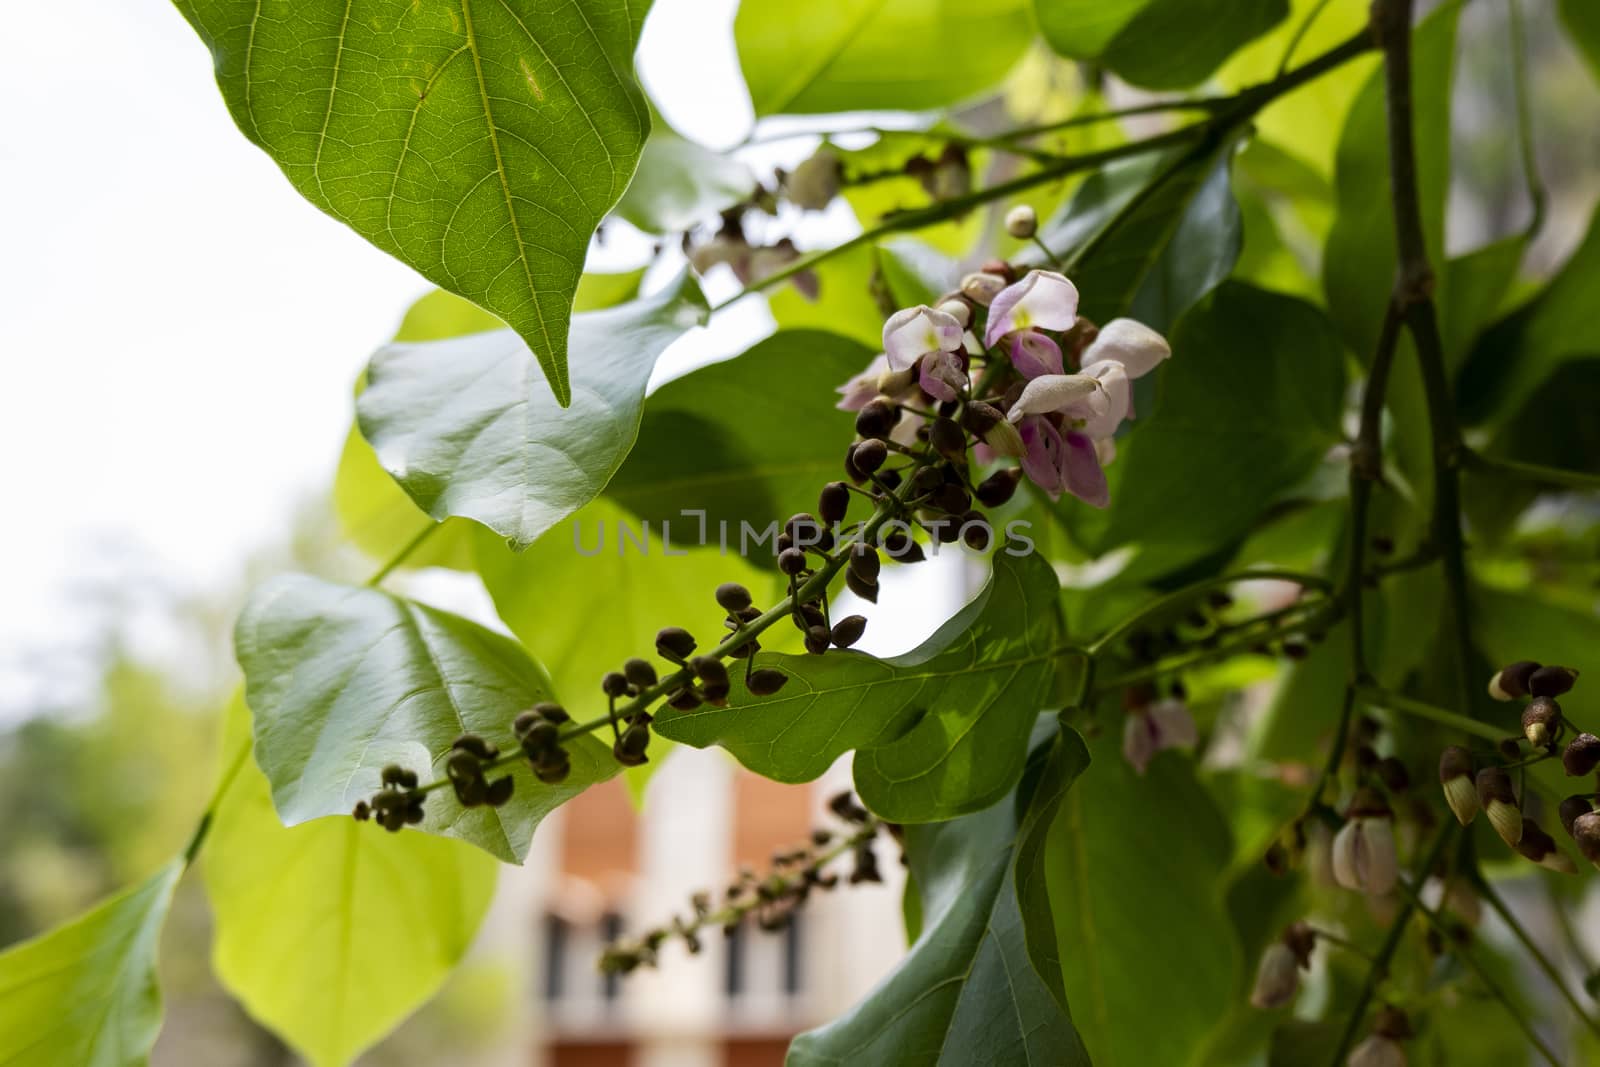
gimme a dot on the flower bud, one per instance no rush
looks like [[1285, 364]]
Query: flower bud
[[1572, 809], [1022, 222], [362, 812], [766, 681], [815, 182], [1277, 978], [1551, 681], [553, 767], [817, 640], [1511, 681], [499, 792], [870, 455], [975, 531], [951, 499], [1586, 832], [1455, 775], [614, 684], [732, 597], [1581, 755], [1364, 853], [865, 589], [876, 419], [958, 310], [674, 643], [1540, 720], [1540, 848], [1005, 440], [864, 561], [977, 417], [1393, 774], [1377, 1051], [1500, 802], [895, 382], [629, 749], [982, 287], [948, 439], [848, 630], [791, 561], [833, 503], [392, 773], [709, 668], [685, 699], [999, 487]]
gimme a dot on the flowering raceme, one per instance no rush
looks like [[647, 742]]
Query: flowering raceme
[[1059, 423]]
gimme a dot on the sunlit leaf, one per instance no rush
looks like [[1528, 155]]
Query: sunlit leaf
[[343, 680], [888, 55], [1158, 44], [680, 183], [938, 732], [965, 993], [332, 932], [479, 143], [466, 427], [84, 994]]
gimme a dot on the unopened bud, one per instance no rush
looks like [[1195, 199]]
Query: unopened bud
[[1455, 776], [817, 640], [895, 382], [766, 681], [947, 438], [1005, 440], [674, 643], [709, 668], [1572, 809], [1586, 832], [1364, 852], [1021, 222], [848, 630], [1581, 756], [865, 589], [981, 287], [1377, 1051], [1540, 720], [629, 749], [999, 487], [815, 182], [1499, 801], [733, 597], [864, 561], [1277, 978], [614, 684], [977, 417], [876, 419], [1540, 848], [791, 561], [1511, 681], [958, 310], [499, 791], [833, 503], [1551, 681], [1393, 774], [869, 455]]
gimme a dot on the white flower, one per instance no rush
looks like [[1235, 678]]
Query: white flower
[[914, 332], [1043, 300], [1364, 854]]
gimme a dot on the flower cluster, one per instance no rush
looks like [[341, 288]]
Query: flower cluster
[[1059, 386]]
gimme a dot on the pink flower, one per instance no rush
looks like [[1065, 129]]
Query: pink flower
[[1034, 354], [1058, 462], [1164, 724], [942, 375], [862, 389], [1043, 299], [1133, 344], [914, 332]]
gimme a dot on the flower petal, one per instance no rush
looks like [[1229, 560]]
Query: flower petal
[[1043, 299], [1080, 470], [1133, 344], [941, 376], [1035, 355], [1138, 741], [1344, 855], [1053, 392], [861, 389], [914, 332], [1175, 727], [1116, 393], [1041, 453]]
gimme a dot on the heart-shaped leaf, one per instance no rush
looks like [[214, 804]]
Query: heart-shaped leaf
[[467, 428], [481, 143], [85, 994], [939, 731], [332, 932], [344, 680], [965, 993]]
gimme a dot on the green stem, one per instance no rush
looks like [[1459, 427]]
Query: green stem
[[1182, 596], [1550, 970], [1382, 698], [405, 553], [1531, 472], [1284, 622], [203, 829], [1465, 956]]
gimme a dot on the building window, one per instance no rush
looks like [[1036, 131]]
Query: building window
[[764, 973]]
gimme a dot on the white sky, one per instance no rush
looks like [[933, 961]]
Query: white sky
[[179, 329]]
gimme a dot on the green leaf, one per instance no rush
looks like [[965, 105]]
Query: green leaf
[[1152, 235], [1247, 406], [845, 303], [1157, 44], [1582, 19], [939, 731], [332, 932], [478, 144], [965, 993], [373, 511], [466, 429], [551, 594], [1134, 867], [749, 439], [680, 183], [344, 680], [84, 994], [1517, 354], [880, 55], [1066, 759]]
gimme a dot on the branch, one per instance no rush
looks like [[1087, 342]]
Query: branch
[[1531, 472]]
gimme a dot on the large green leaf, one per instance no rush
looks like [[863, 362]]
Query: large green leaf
[[680, 183], [876, 54], [1158, 44], [965, 993], [374, 512], [332, 932], [1246, 407], [1152, 235], [466, 428], [750, 439], [939, 731], [85, 994], [1134, 866], [1582, 19], [344, 680], [479, 143]]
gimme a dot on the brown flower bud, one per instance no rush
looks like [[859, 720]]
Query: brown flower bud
[[792, 561], [766, 681], [614, 684], [555, 712], [685, 699], [1586, 832], [876, 420], [499, 791], [1572, 809], [1511, 681], [864, 561], [947, 438], [861, 587], [848, 630], [834, 502], [1455, 775], [1540, 720], [362, 811], [870, 455], [978, 417], [1581, 756], [1551, 681], [999, 487], [1393, 774], [817, 640], [674, 643], [639, 673], [710, 669], [975, 531], [1540, 848], [733, 597], [1499, 800]]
